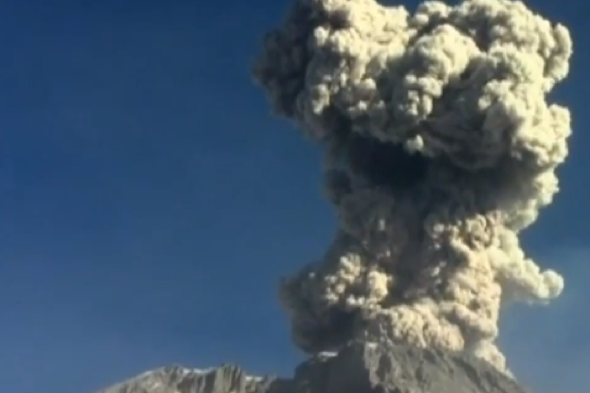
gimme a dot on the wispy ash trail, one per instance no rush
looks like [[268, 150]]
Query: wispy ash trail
[[440, 148]]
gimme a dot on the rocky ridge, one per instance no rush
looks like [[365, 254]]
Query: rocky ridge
[[357, 368]]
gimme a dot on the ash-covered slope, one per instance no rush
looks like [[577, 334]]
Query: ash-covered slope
[[358, 368], [178, 379]]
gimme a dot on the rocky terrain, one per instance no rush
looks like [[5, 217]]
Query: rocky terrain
[[358, 368]]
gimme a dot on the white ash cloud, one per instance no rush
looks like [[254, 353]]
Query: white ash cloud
[[440, 148]]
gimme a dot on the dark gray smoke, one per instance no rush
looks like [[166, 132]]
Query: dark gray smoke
[[440, 148]]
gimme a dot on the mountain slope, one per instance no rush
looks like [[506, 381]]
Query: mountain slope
[[357, 368]]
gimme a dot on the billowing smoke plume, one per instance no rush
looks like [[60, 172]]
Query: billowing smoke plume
[[440, 148]]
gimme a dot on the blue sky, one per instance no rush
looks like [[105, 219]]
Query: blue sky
[[148, 201]]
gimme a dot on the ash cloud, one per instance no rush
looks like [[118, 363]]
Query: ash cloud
[[440, 148]]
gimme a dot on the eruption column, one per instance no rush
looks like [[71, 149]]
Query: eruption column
[[440, 148]]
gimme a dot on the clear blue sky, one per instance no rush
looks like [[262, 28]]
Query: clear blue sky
[[148, 202]]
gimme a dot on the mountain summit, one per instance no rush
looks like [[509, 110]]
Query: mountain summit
[[357, 368]]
